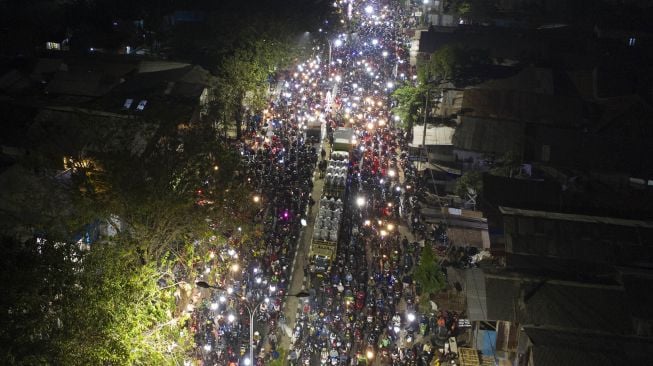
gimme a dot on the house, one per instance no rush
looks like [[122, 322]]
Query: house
[[577, 238], [538, 319], [505, 45], [91, 106], [174, 94], [553, 347], [536, 116], [571, 263]]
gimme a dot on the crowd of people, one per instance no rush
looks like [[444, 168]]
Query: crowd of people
[[362, 307]]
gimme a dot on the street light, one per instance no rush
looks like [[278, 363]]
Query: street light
[[250, 310], [360, 201]]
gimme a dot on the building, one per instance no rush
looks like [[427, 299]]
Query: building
[[73, 110]]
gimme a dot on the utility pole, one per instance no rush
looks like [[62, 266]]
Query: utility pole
[[426, 112]]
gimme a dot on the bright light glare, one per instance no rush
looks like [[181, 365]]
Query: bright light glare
[[337, 43], [214, 306], [360, 201], [231, 318], [410, 317], [369, 354], [369, 9]]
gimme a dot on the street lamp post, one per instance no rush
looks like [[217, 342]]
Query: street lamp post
[[251, 311], [329, 64]]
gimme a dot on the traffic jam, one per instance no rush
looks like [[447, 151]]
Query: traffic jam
[[329, 133]]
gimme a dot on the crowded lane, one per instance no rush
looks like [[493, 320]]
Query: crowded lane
[[331, 279]]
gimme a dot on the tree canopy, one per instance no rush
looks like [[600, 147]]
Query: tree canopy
[[409, 99], [429, 273], [116, 303], [63, 306], [451, 62], [474, 11]]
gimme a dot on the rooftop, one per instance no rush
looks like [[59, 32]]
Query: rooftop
[[555, 347], [563, 304]]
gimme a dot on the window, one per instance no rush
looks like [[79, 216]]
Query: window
[[141, 105], [53, 46], [128, 103]]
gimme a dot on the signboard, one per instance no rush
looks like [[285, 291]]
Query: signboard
[[417, 158], [464, 323], [455, 211], [323, 248]]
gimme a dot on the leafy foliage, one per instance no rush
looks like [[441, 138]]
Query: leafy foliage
[[451, 61], [475, 11], [66, 307], [471, 181], [115, 304], [507, 165], [428, 272], [247, 70], [409, 100], [121, 314]]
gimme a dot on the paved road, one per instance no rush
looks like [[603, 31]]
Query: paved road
[[299, 279]]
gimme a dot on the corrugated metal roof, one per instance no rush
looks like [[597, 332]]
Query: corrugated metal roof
[[488, 135], [435, 135], [522, 106], [575, 217], [476, 294], [530, 79], [564, 304], [556, 347]]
